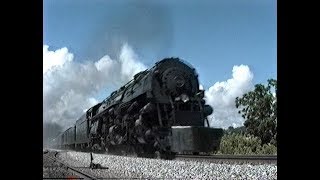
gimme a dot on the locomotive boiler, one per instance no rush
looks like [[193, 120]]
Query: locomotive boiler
[[161, 111]]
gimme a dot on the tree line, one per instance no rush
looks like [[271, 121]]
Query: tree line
[[259, 133]]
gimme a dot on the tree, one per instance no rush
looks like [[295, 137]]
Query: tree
[[259, 109], [237, 130]]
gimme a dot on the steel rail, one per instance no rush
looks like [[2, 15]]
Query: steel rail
[[78, 173], [251, 158]]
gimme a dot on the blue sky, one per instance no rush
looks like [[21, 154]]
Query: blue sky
[[213, 36], [225, 40]]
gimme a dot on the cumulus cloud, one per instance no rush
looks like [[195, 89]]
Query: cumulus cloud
[[201, 87], [221, 96], [55, 58], [69, 86]]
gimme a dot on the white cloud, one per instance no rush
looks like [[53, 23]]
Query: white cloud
[[69, 86], [221, 96], [55, 58], [201, 87]]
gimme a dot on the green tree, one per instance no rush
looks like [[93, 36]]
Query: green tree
[[259, 109], [237, 130]]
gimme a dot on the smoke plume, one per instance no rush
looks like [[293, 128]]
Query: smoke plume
[[145, 24]]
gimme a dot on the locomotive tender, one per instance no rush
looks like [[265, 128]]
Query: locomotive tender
[[161, 111]]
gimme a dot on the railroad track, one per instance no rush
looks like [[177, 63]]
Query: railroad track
[[70, 172], [255, 159]]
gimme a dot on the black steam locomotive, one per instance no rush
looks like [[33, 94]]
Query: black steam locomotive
[[161, 111]]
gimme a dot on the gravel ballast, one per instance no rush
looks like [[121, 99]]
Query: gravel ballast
[[130, 167], [52, 169]]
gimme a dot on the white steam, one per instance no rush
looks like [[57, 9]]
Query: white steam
[[69, 86], [221, 96]]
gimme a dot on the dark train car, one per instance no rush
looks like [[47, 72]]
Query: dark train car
[[54, 143], [82, 132], [59, 141], [64, 142], [70, 137]]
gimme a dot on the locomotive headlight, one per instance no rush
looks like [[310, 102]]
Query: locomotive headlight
[[184, 98]]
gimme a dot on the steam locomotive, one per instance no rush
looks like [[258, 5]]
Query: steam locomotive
[[160, 112]]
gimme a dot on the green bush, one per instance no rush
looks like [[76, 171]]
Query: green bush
[[244, 145], [268, 149]]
